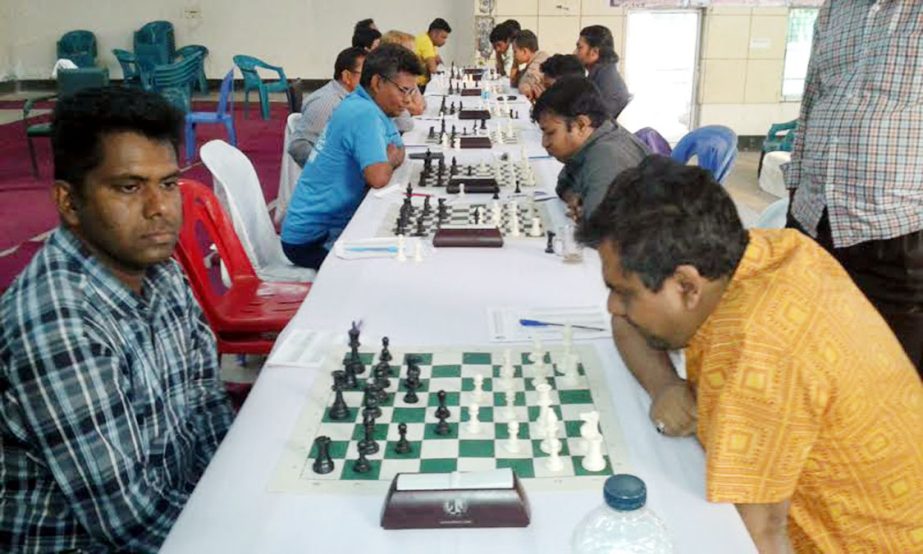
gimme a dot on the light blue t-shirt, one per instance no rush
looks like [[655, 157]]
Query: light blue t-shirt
[[332, 184]]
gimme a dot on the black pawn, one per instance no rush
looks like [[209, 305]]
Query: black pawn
[[362, 465], [339, 410], [371, 402], [442, 428], [323, 463], [442, 411], [483, 124], [496, 193], [403, 445], [368, 445], [518, 190], [549, 248], [427, 209]]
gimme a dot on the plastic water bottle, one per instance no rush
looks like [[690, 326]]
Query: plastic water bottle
[[623, 525]]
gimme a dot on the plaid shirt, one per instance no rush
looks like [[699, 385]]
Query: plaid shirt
[[859, 148], [111, 405]]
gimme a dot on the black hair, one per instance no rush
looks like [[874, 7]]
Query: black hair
[[363, 24], [365, 38], [440, 24], [562, 65], [346, 60], [512, 24], [504, 32], [387, 61], [81, 120], [597, 36], [570, 97], [663, 214], [526, 39]]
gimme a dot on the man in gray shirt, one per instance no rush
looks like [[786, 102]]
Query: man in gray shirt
[[316, 108], [577, 131], [596, 51]]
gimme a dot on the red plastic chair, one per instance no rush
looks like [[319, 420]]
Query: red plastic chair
[[247, 316]]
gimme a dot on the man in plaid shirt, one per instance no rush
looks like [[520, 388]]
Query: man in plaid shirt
[[855, 175], [111, 403]]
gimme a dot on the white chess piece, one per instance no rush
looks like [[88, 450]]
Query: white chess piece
[[418, 251], [456, 144], [512, 442], [544, 394], [514, 225], [482, 167], [552, 446], [536, 230], [495, 214], [478, 386], [474, 424], [401, 253], [444, 139], [589, 429], [461, 190], [594, 460], [499, 135], [568, 367], [509, 411]]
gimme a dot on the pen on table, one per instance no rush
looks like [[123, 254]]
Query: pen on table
[[537, 323], [545, 157], [370, 248]]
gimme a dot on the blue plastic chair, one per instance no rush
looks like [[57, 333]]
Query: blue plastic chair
[[654, 141], [174, 81], [188, 50], [715, 146], [781, 136], [252, 81], [224, 115], [133, 74], [773, 217], [78, 47], [154, 44]]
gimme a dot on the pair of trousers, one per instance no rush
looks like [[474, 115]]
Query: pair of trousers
[[890, 274], [309, 255]]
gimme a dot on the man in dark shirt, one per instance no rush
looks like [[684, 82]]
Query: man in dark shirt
[[596, 51]]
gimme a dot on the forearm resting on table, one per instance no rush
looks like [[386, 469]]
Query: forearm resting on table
[[378, 175], [652, 368], [768, 526]]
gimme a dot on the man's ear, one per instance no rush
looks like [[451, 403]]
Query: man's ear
[[583, 122], [66, 199], [691, 284]]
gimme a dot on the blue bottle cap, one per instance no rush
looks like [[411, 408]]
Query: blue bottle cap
[[625, 492]]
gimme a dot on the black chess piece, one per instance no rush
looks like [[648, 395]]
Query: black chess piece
[[411, 396], [427, 209], [442, 410], [439, 179], [549, 248], [354, 336], [362, 465], [354, 359], [370, 401], [408, 192], [442, 130], [442, 427], [339, 410], [382, 370], [483, 124], [464, 131], [454, 133], [477, 216], [421, 228], [496, 195], [413, 373], [518, 190], [470, 170], [349, 374], [432, 132], [403, 445], [385, 355], [323, 463], [368, 445]]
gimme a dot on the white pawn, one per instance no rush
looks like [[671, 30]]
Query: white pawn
[[536, 230], [461, 190], [495, 213], [500, 137], [401, 253], [544, 395], [456, 144], [474, 424], [444, 139], [512, 442], [418, 251], [594, 460], [509, 412], [478, 386], [553, 461], [482, 167]]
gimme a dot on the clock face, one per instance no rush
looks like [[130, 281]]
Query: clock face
[[455, 507]]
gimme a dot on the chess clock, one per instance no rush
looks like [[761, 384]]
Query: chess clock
[[492, 498]]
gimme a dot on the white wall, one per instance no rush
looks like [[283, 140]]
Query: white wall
[[5, 43], [303, 36]]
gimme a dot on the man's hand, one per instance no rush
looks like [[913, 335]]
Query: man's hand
[[673, 408], [574, 207], [395, 155]]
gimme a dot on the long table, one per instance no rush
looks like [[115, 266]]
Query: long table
[[441, 301]]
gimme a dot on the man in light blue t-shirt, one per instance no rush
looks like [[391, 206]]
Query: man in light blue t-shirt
[[359, 146]]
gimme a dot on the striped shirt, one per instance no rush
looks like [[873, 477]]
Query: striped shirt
[[315, 112], [859, 148], [111, 404]]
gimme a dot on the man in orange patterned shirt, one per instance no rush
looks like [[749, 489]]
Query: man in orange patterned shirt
[[809, 410]]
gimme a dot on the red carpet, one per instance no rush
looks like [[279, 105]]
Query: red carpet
[[26, 209]]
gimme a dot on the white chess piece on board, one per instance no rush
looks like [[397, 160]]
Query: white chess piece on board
[[512, 442], [536, 230], [461, 190], [594, 460], [509, 411], [456, 144], [589, 429], [474, 424], [418, 251], [445, 141], [478, 386]]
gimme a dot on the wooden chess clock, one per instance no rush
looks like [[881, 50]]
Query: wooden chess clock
[[492, 498]]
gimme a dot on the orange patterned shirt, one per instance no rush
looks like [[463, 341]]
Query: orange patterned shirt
[[805, 394]]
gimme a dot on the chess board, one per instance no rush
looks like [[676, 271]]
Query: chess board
[[454, 370], [509, 175], [470, 135], [461, 214]]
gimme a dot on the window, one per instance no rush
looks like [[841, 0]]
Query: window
[[797, 51]]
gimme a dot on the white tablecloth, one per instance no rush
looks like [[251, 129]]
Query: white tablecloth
[[441, 301]]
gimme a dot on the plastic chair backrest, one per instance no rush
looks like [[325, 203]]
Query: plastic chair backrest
[[248, 65], [654, 141], [74, 80], [129, 63], [773, 217], [226, 96], [289, 172], [201, 210], [715, 146], [175, 80], [238, 188], [77, 42]]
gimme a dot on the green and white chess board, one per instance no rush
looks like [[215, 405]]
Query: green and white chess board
[[454, 371]]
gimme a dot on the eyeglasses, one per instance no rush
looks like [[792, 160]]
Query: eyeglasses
[[406, 91]]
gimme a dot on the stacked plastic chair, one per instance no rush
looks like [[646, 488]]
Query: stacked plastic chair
[[133, 74], [175, 81], [154, 44], [78, 47]]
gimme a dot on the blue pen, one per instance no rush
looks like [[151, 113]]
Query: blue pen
[[371, 248], [537, 323], [539, 157]]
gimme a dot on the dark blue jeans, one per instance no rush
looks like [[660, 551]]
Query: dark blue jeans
[[309, 255]]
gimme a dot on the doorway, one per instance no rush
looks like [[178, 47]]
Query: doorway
[[662, 74]]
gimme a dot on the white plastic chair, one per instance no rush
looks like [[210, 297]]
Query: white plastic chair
[[238, 188], [288, 173], [773, 217]]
